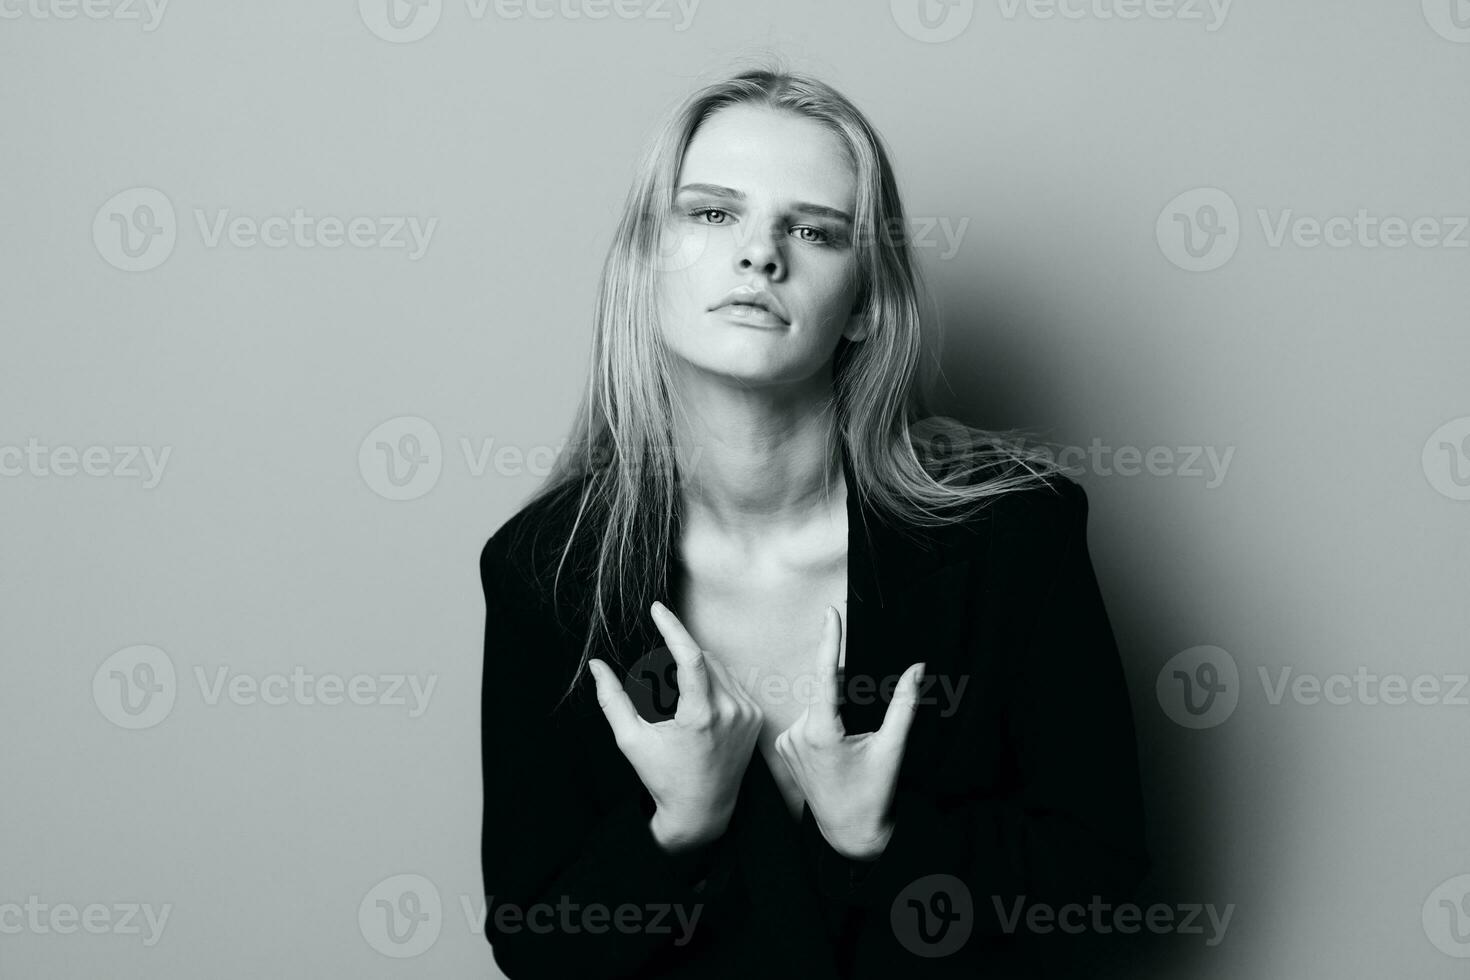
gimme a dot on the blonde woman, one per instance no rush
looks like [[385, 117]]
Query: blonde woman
[[782, 674]]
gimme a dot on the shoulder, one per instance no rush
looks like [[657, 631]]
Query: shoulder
[[528, 546], [1044, 515], [1059, 506], [1032, 492]]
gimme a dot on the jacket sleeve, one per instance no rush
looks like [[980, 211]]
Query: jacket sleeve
[[572, 884], [1073, 827]]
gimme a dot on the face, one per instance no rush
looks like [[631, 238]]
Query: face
[[764, 201]]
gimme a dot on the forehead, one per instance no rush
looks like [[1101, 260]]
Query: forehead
[[763, 151]]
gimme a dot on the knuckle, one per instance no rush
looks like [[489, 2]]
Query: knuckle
[[697, 719]]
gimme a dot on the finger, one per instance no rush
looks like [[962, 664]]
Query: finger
[[823, 717], [784, 745], [899, 717], [723, 679], [616, 706], [724, 693], [690, 665], [787, 753]]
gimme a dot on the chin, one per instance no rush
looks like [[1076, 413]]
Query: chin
[[753, 369]]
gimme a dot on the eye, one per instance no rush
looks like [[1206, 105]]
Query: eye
[[810, 234], [707, 211]]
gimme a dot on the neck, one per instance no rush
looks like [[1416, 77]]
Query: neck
[[756, 462]]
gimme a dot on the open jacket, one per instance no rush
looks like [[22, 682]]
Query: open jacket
[[1019, 783]]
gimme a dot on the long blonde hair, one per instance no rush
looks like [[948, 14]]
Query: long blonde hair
[[908, 463]]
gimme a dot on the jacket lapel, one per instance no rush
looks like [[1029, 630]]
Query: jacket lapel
[[905, 604]]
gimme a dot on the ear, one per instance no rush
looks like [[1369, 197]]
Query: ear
[[857, 327]]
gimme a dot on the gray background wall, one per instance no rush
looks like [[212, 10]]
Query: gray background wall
[[1066, 154]]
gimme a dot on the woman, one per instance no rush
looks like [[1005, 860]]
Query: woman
[[782, 674]]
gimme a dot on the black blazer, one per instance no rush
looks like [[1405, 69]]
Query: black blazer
[[1020, 785]]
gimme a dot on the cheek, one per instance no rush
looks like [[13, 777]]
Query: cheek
[[678, 296], [833, 307], [684, 248]]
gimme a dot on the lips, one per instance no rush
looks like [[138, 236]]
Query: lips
[[752, 316], [750, 298]]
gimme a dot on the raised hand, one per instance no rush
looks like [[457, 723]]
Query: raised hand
[[693, 763], [849, 781]]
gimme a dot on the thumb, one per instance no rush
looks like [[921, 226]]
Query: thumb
[[621, 716], [901, 709]]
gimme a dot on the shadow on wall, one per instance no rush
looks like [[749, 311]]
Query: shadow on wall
[[1181, 772]]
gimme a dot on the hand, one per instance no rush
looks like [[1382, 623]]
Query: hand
[[693, 763], [849, 781]]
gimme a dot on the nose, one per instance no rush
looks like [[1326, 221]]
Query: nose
[[761, 252]]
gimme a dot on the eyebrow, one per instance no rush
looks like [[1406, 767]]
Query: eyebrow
[[802, 206]]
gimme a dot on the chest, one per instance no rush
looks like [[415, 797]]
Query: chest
[[765, 628], [768, 638]]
